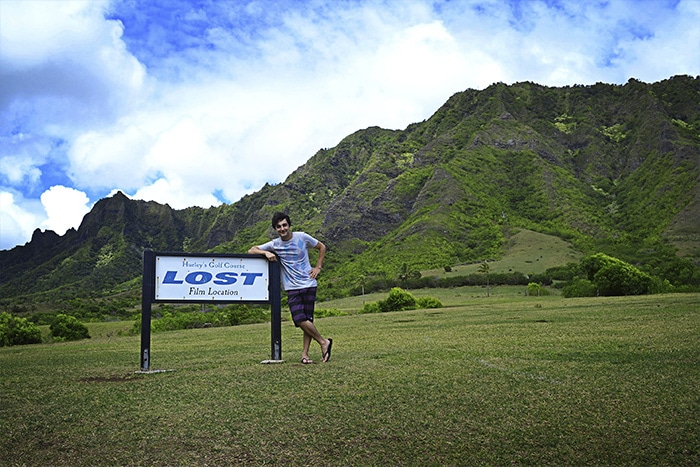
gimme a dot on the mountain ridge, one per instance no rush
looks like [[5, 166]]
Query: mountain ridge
[[605, 167]]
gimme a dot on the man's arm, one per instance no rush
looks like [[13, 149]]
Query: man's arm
[[256, 250], [319, 263]]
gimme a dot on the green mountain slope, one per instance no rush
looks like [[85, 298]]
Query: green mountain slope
[[604, 167]]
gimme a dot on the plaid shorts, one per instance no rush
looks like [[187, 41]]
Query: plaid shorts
[[301, 304]]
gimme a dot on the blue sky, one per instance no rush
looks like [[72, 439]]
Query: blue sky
[[195, 103]]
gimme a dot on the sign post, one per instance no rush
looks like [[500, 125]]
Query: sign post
[[209, 278], [147, 296], [275, 312]]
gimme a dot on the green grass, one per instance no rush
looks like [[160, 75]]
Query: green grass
[[484, 381]]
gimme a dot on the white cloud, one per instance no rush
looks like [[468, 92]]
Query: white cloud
[[672, 49], [18, 219], [69, 57], [35, 31], [17, 169], [65, 208], [112, 157], [64, 71], [174, 192], [59, 209]]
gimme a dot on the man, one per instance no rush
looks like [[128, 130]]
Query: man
[[298, 278]]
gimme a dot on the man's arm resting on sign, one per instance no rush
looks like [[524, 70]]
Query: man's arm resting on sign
[[268, 254]]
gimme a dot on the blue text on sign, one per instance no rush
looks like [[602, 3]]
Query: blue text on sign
[[203, 277]]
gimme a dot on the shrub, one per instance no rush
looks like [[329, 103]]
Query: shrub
[[18, 331], [398, 300], [429, 302], [677, 271], [326, 312], [562, 273], [613, 276], [541, 279], [622, 279], [370, 308], [235, 315], [659, 285], [68, 328], [187, 317], [536, 290], [179, 321], [579, 288]]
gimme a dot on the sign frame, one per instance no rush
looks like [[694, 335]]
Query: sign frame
[[150, 285]]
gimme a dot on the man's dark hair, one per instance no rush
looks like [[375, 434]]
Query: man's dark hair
[[279, 217]]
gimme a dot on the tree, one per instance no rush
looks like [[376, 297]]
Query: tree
[[406, 274], [485, 268], [613, 277], [362, 278]]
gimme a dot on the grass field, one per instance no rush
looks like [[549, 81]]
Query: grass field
[[484, 381]]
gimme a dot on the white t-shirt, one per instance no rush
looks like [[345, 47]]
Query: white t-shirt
[[294, 258]]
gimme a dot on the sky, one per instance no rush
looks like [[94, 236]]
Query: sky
[[199, 102]]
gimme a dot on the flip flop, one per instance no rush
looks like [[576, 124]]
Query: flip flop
[[306, 361], [327, 355]]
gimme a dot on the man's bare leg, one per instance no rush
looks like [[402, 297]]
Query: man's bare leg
[[307, 345], [310, 332]]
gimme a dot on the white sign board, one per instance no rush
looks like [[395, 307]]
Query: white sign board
[[202, 278]]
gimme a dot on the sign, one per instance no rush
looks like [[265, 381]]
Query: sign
[[207, 278], [211, 278]]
